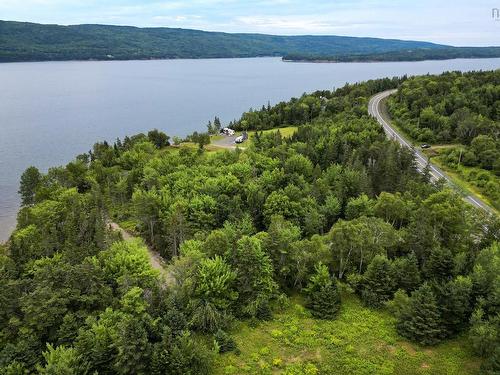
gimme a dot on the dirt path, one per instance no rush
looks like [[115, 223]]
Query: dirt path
[[155, 259]]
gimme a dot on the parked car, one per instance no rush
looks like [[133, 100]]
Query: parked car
[[239, 139], [425, 145]]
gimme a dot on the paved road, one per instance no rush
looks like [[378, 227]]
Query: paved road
[[420, 158]]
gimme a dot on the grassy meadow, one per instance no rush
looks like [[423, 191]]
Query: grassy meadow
[[360, 341]]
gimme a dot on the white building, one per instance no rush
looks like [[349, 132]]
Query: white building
[[227, 131]]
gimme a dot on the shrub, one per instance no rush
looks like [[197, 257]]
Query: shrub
[[224, 341], [322, 294]]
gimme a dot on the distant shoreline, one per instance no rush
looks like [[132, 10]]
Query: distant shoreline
[[325, 61], [285, 60]]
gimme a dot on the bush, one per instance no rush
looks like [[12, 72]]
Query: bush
[[322, 294], [224, 342]]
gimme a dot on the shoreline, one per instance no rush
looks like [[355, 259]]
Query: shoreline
[[285, 60], [323, 61]]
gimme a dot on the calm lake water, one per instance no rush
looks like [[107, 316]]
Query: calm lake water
[[50, 112]]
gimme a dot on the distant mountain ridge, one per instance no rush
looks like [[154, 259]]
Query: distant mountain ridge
[[22, 41]]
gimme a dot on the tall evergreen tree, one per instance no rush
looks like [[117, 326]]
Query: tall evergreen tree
[[378, 283], [406, 272], [323, 297], [217, 125], [440, 264], [455, 303], [421, 321]]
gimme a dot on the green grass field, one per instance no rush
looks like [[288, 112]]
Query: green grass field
[[286, 132], [359, 341]]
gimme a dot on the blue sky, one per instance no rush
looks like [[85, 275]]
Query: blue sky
[[459, 22]]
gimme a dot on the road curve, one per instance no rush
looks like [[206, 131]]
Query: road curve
[[420, 158]]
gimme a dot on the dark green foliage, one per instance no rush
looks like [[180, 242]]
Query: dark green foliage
[[224, 341], [30, 181], [133, 348], [491, 366], [323, 297], [214, 128], [485, 321], [406, 272], [421, 320], [179, 355], [440, 264], [378, 282], [417, 54], [158, 138], [455, 302]]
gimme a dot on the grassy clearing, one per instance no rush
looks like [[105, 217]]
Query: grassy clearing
[[359, 341], [286, 132]]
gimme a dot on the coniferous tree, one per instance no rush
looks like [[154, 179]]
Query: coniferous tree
[[406, 272], [440, 264], [210, 128], [217, 126], [378, 283], [455, 303], [323, 297], [421, 321]]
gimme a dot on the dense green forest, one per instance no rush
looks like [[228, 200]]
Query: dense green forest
[[20, 41], [413, 54], [461, 113], [335, 215]]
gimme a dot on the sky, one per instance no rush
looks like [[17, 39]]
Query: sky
[[458, 22]]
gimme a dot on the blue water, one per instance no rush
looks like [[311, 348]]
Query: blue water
[[50, 112]]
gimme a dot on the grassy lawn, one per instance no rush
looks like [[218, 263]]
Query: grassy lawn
[[286, 132], [359, 341]]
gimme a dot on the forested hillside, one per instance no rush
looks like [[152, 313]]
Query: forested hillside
[[460, 112], [403, 54], [336, 216], [21, 41]]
